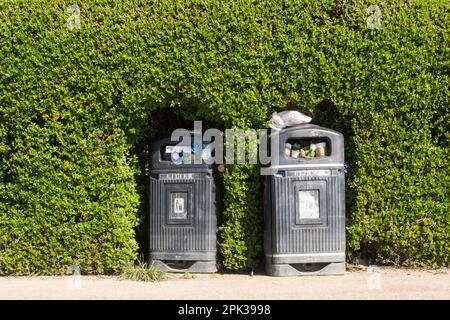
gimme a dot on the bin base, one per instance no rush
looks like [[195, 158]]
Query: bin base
[[305, 269], [185, 266]]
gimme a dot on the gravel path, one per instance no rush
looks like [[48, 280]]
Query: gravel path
[[383, 283]]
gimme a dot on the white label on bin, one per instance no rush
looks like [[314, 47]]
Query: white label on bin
[[177, 149], [309, 204], [177, 176], [178, 206], [303, 173]]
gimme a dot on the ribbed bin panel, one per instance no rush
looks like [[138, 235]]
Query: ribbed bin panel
[[197, 231], [290, 237]]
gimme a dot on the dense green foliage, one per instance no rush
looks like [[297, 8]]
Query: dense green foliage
[[73, 103]]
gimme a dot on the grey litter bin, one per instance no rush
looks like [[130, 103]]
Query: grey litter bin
[[305, 204], [182, 213]]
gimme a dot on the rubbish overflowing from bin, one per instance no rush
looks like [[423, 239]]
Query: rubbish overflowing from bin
[[288, 118], [305, 149]]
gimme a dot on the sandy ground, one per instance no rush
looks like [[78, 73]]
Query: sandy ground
[[381, 283]]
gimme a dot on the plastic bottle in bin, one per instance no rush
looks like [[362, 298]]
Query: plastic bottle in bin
[[206, 152], [287, 149], [177, 157]]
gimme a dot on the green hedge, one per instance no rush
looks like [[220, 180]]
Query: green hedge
[[73, 104]]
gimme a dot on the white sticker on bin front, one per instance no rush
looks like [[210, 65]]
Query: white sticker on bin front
[[178, 176], [309, 204], [307, 173], [178, 206]]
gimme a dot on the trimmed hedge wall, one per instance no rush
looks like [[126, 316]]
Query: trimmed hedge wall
[[74, 103]]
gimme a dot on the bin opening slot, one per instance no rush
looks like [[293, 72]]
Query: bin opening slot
[[172, 152], [184, 154], [307, 148]]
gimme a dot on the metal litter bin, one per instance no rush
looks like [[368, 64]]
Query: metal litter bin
[[182, 212], [305, 203]]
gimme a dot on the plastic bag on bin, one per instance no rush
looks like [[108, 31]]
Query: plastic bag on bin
[[288, 118]]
